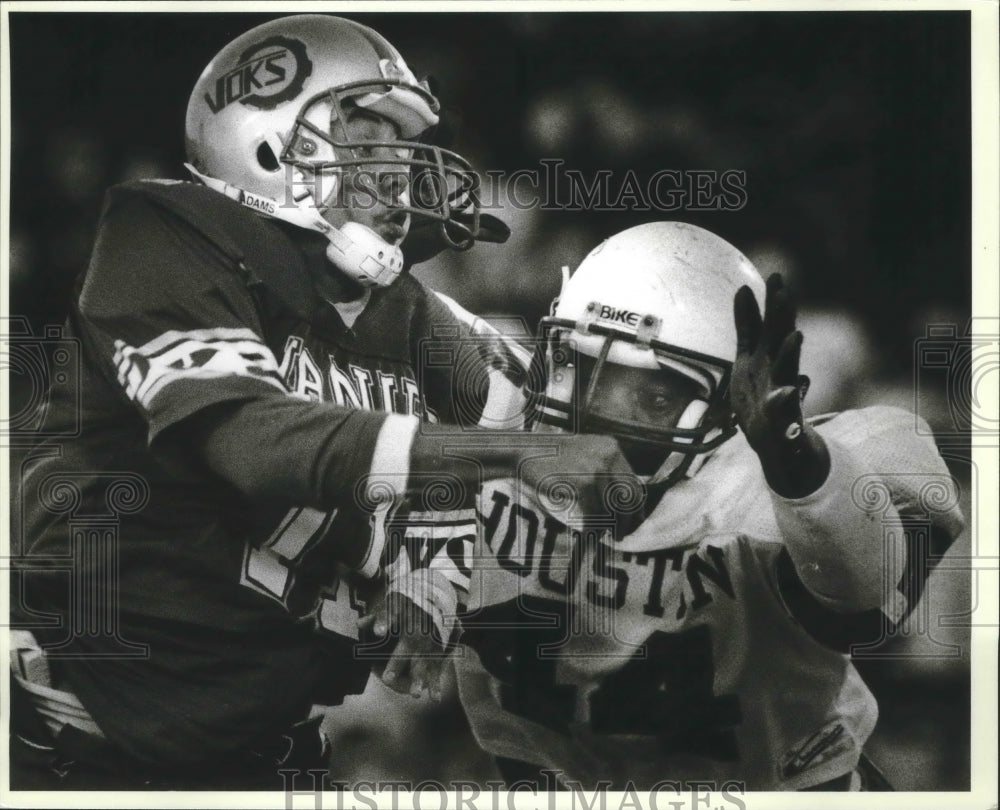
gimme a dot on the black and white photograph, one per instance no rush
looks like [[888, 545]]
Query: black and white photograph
[[504, 405]]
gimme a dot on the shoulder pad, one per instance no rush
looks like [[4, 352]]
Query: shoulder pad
[[897, 447], [254, 244]]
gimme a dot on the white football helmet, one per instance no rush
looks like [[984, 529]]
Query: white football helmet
[[656, 296], [265, 124]]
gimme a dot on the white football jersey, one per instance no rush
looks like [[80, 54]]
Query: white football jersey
[[688, 651]]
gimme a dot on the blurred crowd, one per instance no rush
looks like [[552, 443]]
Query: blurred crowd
[[851, 133]]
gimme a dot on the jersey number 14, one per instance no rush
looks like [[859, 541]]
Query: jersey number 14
[[664, 690]]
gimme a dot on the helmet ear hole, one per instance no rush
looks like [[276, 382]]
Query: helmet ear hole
[[266, 157]]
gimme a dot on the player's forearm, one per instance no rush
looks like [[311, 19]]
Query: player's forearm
[[473, 457], [325, 456], [312, 454], [322, 455], [848, 557]]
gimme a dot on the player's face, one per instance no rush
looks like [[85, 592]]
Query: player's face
[[372, 192], [640, 396], [369, 193]]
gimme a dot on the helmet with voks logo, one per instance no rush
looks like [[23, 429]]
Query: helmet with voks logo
[[266, 123]]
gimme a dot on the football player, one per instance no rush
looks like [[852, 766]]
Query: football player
[[709, 646], [256, 373]]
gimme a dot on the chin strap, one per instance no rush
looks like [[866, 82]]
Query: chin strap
[[354, 249]]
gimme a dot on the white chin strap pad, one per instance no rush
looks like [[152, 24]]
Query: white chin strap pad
[[357, 251], [362, 254]]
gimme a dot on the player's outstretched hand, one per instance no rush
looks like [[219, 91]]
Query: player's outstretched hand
[[767, 391], [414, 654], [766, 388]]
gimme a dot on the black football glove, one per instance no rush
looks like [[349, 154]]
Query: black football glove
[[767, 389]]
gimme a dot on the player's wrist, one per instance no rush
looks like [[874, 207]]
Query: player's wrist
[[391, 455], [796, 461]]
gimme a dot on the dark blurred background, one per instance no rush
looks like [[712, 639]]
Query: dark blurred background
[[853, 130]]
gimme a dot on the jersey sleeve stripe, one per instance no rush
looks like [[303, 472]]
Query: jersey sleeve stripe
[[197, 355]]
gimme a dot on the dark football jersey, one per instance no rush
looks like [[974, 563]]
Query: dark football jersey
[[189, 619]]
